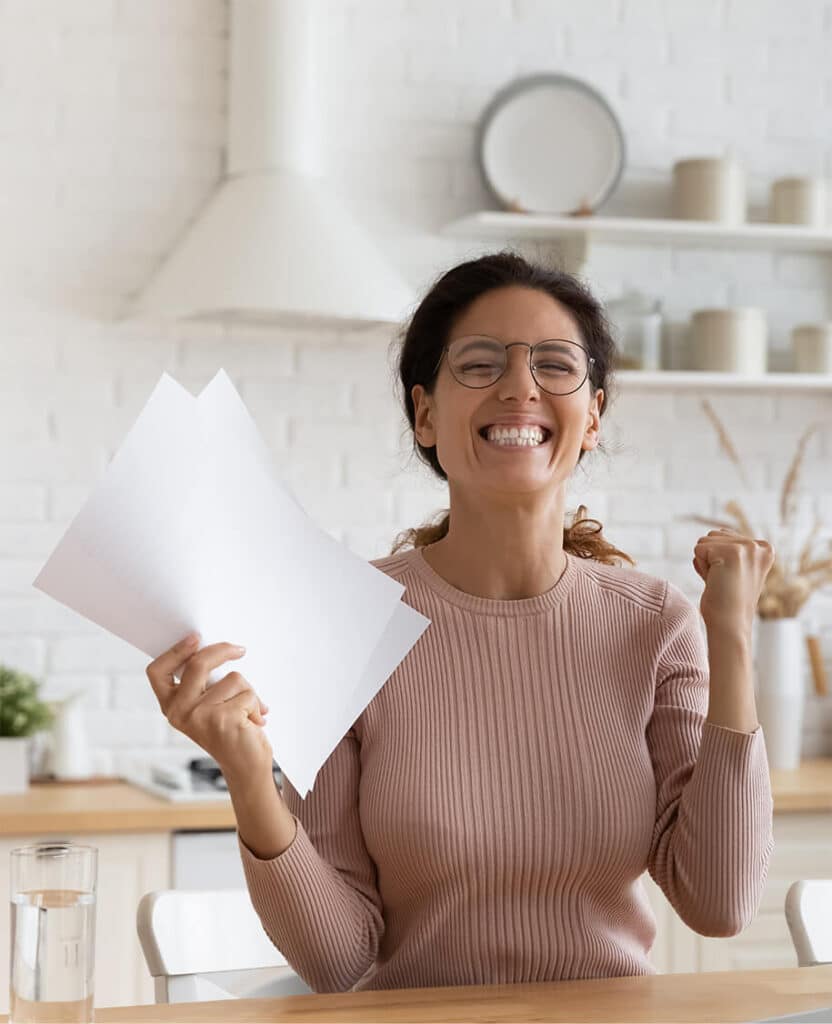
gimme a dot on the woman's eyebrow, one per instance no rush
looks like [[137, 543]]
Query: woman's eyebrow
[[475, 337]]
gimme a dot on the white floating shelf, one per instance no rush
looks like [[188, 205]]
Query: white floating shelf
[[706, 379], [498, 224]]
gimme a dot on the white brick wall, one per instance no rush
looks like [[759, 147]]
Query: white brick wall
[[112, 118]]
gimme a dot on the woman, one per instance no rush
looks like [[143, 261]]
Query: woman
[[559, 728]]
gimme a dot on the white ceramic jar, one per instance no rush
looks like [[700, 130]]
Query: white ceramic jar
[[709, 188], [812, 348], [799, 201], [730, 340]]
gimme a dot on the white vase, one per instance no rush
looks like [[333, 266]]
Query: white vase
[[780, 688], [70, 757], [14, 764]]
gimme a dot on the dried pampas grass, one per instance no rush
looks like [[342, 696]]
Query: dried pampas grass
[[787, 587]]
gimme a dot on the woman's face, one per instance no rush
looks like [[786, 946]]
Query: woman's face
[[453, 416]]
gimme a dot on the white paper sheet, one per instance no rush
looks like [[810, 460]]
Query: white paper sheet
[[189, 529]]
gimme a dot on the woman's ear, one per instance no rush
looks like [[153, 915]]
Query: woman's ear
[[593, 429], [423, 416]]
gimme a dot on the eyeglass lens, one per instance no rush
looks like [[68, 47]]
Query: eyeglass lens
[[558, 366]]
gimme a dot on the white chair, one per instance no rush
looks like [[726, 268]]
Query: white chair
[[205, 945], [809, 916]]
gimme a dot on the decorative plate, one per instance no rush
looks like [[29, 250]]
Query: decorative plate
[[550, 143]]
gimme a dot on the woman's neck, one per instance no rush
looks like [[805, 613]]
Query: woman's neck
[[510, 569]]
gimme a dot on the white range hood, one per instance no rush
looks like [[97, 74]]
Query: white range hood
[[273, 243]]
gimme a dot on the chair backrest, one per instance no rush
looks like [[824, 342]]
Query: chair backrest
[[809, 917], [203, 944]]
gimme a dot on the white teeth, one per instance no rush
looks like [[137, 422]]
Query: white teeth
[[517, 437]]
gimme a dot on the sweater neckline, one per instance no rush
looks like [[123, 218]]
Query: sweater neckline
[[507, 607]]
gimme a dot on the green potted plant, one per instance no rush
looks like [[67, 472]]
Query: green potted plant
[[22, 713]]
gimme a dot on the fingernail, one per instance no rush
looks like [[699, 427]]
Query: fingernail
[[239, 649], [191, 638]]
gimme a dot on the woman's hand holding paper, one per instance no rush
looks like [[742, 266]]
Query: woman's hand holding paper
[[225, 719]]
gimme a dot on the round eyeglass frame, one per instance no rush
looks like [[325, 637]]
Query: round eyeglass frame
[[590, 360]]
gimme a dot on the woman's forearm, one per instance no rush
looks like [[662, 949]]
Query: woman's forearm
[[731, 689], [264, 822]]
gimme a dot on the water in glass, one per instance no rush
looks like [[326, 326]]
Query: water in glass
[[52, 944]]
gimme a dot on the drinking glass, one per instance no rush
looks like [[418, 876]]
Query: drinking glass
[[52, 933]]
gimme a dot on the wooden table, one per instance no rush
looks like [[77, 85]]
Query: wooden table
[[726, 996]]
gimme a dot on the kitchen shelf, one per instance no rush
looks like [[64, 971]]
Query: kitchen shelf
[[726, 381], [575, 234], [499, 224]]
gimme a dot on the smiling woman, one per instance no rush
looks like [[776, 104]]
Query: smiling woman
[[488, 816], [573, 373]]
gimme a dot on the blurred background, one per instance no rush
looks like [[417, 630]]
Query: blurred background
[[115, 120]]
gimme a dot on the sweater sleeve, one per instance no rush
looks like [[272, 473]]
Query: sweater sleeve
[[713, 833], [317, 900]]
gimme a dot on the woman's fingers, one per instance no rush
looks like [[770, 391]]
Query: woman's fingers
[[217, 718], [229, 686], [161, 671], [195, 679], [246, 705], [178, 699]]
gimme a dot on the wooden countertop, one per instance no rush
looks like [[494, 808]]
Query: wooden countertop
[[111, 806], [114, 806], [717, 996], [809, 788]]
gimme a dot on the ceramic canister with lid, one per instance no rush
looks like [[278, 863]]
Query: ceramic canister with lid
[[731, 340], [812, 348], [799, 201], [709, 188]]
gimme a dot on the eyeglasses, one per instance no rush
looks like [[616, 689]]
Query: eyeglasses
[[558, 366]]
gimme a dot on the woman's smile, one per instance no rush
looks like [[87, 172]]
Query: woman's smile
[[514, 444]]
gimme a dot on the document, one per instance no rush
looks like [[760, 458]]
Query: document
[[189, 529]]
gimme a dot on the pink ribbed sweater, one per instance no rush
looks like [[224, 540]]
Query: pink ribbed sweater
[[487, 817]]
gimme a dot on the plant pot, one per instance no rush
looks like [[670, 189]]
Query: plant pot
[[14, 764], [780, 689]]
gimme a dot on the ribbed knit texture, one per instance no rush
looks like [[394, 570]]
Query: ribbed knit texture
[[486, 819]]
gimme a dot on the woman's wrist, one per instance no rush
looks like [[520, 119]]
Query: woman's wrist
[[264, 822], [244, 776]]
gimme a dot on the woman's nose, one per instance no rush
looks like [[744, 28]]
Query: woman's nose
[[517, 378]]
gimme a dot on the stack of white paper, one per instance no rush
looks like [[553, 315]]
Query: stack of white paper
[[190, 530]]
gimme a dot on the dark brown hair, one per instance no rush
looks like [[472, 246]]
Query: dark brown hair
[[423, 337]]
